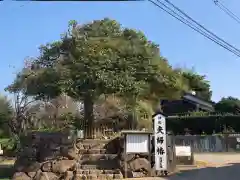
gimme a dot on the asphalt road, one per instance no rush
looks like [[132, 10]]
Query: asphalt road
[[224, 166], [226, 172]]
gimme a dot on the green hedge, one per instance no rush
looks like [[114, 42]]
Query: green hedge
[[207, 124]]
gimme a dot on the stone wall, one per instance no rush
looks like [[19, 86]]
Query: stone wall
[[45, 156], [56, 156]]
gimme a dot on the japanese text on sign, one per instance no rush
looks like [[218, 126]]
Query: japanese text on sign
[[160, 142]]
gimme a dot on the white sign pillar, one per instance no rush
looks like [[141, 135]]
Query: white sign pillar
[[160, 136]]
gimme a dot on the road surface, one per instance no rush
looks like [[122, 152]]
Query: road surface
[[223, 166], [224, 172], [228, 172]]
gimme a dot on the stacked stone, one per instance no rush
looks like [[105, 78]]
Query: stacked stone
[[55, 156], [99, 160]]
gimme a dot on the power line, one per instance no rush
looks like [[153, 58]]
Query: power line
[[176, 15], [220, 39], [227, 11], [190, 22]]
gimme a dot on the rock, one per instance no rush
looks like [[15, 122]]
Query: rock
[[102, 176], [109, 176], [62, 165], [47, 167], [38, 175], [68, 175], [48, 176], [114, 146], [46, 154], [140, 163], [86, 146], [70, 153], [129, 157], [29, 152], [118, 176], [79, 145], [92, 177], [33, 167], [20, 176], [26, 165], [129, 174], [80, 177], [31, 174]]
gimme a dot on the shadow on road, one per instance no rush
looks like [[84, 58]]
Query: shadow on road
[[227, 172]]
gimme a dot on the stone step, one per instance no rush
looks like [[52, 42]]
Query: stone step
[[91, 171], [91, 143], [95, 157], [101, 164], [88, 172], [92, 151], [97, 171], [98, 177], [87, 167], [111, 146]]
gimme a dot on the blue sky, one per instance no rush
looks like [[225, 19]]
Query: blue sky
[[26, 25]]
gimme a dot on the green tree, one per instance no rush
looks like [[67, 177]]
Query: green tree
[[6, 114], [228, 105], [199, 84], [101, 58]]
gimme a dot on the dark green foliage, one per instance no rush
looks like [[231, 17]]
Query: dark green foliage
[[228, 105], [207, 124], [6, 114], [199, 84]]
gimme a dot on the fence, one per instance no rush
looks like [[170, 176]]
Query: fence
[[210, 143]]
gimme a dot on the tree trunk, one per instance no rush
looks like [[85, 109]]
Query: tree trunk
[[89, 128]]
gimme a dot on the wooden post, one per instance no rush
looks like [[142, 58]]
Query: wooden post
[[125, 155], [146, 148], [149, 154]]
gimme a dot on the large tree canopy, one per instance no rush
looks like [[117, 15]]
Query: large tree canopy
[[228, 105], [100, 58], [199, 84]]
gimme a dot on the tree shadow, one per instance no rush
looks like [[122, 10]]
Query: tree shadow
[[227, 172], [6, 171]]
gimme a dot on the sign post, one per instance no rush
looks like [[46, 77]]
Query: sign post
[[136, 142], [160, 137]]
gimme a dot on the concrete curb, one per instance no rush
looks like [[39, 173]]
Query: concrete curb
[[7, 162], [202, 164]]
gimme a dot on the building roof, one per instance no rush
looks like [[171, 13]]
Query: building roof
[[193, 99], [207, 105]]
